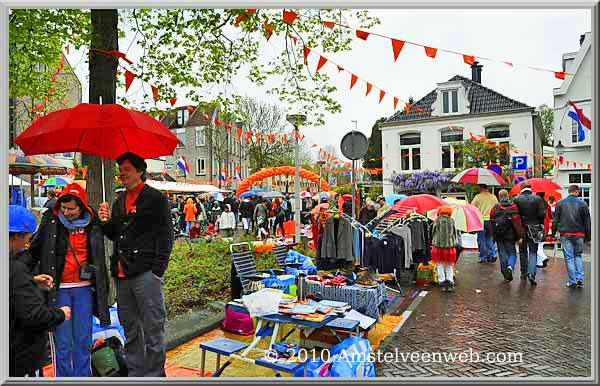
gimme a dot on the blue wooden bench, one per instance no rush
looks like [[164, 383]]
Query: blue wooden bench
[[220, 346]]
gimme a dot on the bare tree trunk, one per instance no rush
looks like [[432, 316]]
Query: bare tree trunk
[[103, 84]]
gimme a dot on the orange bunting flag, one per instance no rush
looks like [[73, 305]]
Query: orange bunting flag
[[285, 138], [369, 87], [568, 162], [353, 80], [381, 95], [468, 59], [362, 34], [289, 17], [431, 52], [294, 39], [251, 11], [239, 19], [172, 101], [329, 24], [258, 138], [228, 126], [321, 63], [217, 122], [272, 138], [407, 108], [206, 117], [306, 52], [248, 136], [155, 94], [268, 30], [239, 129], [129, 77], [559, 75], [589, 166], [314, 145], [397, 47], [395, 103], [340, 68], [38, 107]]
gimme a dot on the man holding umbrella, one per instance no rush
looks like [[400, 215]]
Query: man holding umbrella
[[140, 226], [485, 201]]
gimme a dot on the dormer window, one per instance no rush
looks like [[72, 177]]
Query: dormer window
[[450, 99]]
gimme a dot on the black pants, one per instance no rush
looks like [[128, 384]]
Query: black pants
[[236, 284]]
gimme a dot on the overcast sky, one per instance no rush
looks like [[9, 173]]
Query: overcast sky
[[533, 37]]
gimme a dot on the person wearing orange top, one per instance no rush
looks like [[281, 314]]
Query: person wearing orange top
[[190, 212], [139, 224], [69, 247]]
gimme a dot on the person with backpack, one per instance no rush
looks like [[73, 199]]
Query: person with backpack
[[532, 211], [280, 217], [506, 230]]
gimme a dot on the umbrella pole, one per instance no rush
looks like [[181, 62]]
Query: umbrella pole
[[103, 189]]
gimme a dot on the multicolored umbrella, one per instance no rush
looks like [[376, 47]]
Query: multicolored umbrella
[[421, 202], [56, 181], [478, 176], [305, 194], [467, 218]]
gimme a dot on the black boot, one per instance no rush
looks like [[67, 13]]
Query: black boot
[[532, 279]]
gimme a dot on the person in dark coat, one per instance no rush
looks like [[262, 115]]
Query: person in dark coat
[[51, 194], [140, 227], [30, 316], [246, 212], [367, 213], [68, 242], [532, 210], [506, 230]]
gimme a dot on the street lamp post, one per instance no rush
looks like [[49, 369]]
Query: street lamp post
[[297, 120], [320, 163]]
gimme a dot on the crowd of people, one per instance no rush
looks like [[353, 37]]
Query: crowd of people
[[59, 278]]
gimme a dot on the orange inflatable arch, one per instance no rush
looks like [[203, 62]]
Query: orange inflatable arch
[[279, 170]]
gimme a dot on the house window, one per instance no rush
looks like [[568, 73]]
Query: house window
[[574, 132], [180, 133], [201, 166], [501, 131], [585, 182], [586, 195], [200, 136], [452, 154], [169, 167], [446, 95], [182, 117], [410, 151]]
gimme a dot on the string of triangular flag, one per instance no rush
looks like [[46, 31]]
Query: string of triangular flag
[[41, 107]]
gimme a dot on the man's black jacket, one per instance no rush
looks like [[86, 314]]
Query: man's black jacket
[[143, 239]]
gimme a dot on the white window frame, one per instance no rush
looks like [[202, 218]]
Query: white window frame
[[169, 167], [451, 145], [575, 132], [181, 117], [410, 149], [450, 93], [200, 171], [200, 135], [177, 133]]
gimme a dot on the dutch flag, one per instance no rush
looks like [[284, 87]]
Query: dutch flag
[[183, 165], [577, 115]]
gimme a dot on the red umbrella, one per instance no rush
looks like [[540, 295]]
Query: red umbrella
[[538, 185], [102, 130], [421, 202]]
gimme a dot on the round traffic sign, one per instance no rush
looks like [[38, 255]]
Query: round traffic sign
[[354, 145]]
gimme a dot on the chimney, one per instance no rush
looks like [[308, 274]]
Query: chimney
[[476, 72], [581, 39]]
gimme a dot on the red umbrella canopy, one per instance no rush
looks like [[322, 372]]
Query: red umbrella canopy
[[478, 176], [102, 130], [538, 185], [421, 202]]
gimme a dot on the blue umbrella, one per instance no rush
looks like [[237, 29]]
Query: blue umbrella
[[218, 196], [272, 194], [247, 194], [394, 197], [257, 190]]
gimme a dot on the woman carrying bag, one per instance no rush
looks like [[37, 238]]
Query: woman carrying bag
[[69, 246]]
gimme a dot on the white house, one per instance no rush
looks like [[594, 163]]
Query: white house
[[432, 139], [578, 89]]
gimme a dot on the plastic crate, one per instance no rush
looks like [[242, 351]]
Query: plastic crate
[[406, 277]]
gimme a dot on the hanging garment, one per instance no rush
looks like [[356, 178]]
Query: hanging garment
[[406, 234], [337, 239]]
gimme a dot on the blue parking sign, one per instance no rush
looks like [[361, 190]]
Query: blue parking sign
[[519, 162]]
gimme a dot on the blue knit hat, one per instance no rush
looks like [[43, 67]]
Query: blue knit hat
[[20, 220]]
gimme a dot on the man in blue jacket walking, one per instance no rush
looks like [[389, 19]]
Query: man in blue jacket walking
[[572, 221]]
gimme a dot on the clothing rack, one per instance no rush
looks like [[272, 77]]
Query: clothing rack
[[363, 232]]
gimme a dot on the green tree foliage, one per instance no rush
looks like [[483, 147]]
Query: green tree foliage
[[480, 154], [202, 50], [547, 119], [373, 159]]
